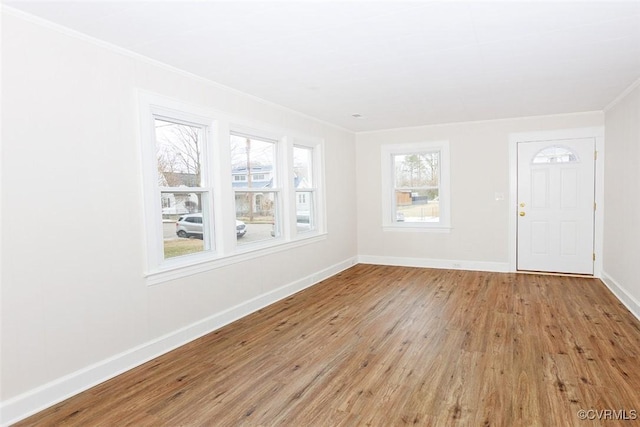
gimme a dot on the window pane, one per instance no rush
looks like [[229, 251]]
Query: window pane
[[305, 213], [252, 162], [417, 205], [257, 212], [417, 170], [179, 154], [302, 167], [417, 179], [182, 224], [555, 155]]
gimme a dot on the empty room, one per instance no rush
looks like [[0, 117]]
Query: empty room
[[320, 213]]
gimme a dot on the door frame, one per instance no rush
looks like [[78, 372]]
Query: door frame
[[589, 132]]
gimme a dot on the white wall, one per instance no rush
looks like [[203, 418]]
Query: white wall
[[75, 306], [479, 153], [622, 199]]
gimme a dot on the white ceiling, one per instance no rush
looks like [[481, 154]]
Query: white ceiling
[[397, 63]]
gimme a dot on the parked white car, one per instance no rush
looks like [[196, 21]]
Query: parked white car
[[190, 225]]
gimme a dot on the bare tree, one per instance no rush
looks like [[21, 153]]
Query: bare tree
[[432, 168], [414, 168], [179, 154], [418, 170]]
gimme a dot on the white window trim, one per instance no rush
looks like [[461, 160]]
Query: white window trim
[[316, 190], [388, 196], [152, 107], [218, 184]]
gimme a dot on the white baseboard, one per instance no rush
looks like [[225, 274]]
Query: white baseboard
[[621, 293], [501, 267], [33, 401]]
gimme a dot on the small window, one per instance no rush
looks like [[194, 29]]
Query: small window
[[555, 154], [416, 185], [304, 185]]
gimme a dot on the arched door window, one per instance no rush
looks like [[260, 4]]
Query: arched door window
[[555, 154]]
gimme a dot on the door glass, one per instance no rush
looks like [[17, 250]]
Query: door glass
[[555, 154]]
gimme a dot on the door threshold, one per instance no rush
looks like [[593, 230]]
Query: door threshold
[[550, 273]]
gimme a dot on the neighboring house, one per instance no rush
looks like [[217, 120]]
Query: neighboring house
[[262, 177], [179, 203], [259, 177], [403, 197], [303, 199]]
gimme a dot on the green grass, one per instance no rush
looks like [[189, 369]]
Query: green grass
[[178, 247]]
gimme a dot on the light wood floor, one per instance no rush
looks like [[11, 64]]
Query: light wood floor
[[389, 346]]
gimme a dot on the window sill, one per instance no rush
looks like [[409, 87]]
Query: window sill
[[416, 228], [196, 266]]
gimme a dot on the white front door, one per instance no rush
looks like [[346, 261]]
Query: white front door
[[556, 203]]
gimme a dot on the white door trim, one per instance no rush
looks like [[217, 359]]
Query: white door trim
[[591, 132]]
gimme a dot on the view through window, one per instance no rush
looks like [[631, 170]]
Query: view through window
[[304, 185], [417, 187], [210, 195], [255, 185], [179, 160]]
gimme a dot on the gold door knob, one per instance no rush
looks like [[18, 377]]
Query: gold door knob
[[522, 214]]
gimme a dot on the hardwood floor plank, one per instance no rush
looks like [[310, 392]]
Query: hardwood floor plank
[[386, 346]]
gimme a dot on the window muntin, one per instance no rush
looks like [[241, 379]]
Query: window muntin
[[415, 186]]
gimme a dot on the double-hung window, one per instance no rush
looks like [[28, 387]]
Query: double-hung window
[[177, 178], [184, 193], [205, 177], [257, 196], [415, 183], [304, 183]]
